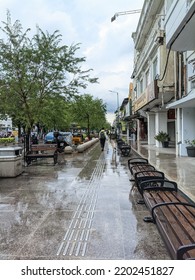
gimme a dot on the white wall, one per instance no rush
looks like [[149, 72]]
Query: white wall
[[151, 128], [188, 125], [174, 17]]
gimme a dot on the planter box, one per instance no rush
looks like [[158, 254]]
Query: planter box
[[10, 161], [190, 151], [165, 144]]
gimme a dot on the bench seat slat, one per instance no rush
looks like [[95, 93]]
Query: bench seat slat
[[184, 214], [176, 223], [171, 240], [141, 167], [187, 212], [175, 228]]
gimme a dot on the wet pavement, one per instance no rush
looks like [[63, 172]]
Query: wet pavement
[[82, 208], [178, 169]]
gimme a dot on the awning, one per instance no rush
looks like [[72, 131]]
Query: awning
[[183, 39], [131, 117], [185, 102]]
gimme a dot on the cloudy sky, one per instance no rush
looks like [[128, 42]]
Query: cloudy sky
[[108, 47]]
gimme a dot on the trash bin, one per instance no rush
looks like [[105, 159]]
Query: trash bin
[[11, 161]]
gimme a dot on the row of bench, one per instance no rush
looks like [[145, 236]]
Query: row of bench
[[171, 210], [124, 148]]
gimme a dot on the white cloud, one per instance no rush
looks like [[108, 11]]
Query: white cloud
[[108, 47]]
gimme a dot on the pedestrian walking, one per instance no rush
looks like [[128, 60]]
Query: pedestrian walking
[[102, 137], [35, 139]]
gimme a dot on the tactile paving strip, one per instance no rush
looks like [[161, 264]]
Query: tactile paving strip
[[76, 237]]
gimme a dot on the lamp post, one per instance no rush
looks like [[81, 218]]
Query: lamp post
[[125, 13], [117, 125]]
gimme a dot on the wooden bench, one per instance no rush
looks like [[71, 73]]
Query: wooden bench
[[42, 151], [174, 215], [141, 167], [120, 142], [125, 149], [147, 175], [135, 161]]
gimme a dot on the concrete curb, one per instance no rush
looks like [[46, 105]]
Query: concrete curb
[[82, 147]]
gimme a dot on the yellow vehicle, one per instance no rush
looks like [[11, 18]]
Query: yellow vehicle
[[77, 136]]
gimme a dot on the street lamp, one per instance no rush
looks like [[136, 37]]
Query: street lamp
[[125, 13], [117, 109]]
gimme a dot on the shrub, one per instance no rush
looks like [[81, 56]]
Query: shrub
[[7, 140], [190, 142], [161, 136]]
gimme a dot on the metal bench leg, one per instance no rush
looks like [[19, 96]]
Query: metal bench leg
[[28, 160], [55, 158]]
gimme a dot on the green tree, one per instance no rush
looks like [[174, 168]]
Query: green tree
[[89, 112], [56, 115], [37, 73]]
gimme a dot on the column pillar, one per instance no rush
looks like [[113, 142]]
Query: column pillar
[[151, 127], [160, 124]]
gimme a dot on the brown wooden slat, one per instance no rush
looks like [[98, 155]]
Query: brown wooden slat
[[40, 155], [142, 167], [46, 147], [184, 213], [173, 234], [187, 212], [175, 223]]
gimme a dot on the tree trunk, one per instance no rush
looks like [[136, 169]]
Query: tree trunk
[[27, 140]]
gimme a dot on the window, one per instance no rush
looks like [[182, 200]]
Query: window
[[155, 69], [141, 87], [147, 78]]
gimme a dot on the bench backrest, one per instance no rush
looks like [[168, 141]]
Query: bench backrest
[[157, 185], [43, 147], [134, 161], [147, 175]]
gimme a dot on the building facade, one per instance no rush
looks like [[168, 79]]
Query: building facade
[[153, 75], [179, 27]]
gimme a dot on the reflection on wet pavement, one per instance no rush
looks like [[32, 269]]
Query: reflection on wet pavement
[[81, 208], [178, 169]]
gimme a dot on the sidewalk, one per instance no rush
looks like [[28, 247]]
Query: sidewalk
[[85, 207], [82, 208], [178, 169]]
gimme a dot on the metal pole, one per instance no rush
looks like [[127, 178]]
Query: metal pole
[[124, 13], [118, 130]]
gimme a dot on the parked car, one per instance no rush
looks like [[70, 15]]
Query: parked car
[[64, 138], [49, 138]]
